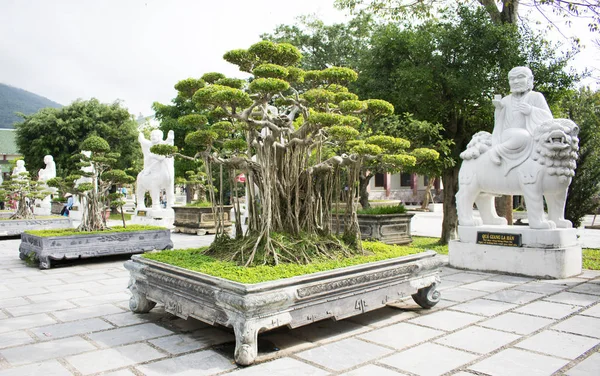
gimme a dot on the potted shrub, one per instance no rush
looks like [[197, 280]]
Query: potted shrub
[[23, 191], [283, 130], [93, 237]]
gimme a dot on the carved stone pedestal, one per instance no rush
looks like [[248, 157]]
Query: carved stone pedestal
[[253, 308], [517, 250]]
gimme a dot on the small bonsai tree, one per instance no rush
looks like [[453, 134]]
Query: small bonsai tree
[[24, 191], [94, 194], [295, 135]]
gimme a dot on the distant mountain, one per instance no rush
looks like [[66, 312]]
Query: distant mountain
[[13, 100]]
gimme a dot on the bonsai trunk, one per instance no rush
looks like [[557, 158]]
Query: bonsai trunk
[[364, 180], [427, 197], [23, 210], [450, 220]]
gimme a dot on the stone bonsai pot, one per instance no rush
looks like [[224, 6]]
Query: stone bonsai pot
[[199, 220], [46, 249], [253, 308], [11, 227], [386, 228]]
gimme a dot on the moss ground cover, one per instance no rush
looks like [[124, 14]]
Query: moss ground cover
[[195, 259], [397, 209], [591, 258], [72, 231], [117, 217]]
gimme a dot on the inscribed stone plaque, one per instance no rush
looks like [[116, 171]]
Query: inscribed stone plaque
[[141, 213], [499, 238]]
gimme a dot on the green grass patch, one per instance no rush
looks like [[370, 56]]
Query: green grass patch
[[396, 209], [73, 231], [118, 217], [196, 260], [591, 258]]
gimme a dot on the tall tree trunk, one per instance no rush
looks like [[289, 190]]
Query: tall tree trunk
[[504, 208], [450, 219]]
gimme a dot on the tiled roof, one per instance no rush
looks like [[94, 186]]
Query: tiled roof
[[8, 144]]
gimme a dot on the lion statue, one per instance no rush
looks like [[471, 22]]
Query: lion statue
[[546, 173]]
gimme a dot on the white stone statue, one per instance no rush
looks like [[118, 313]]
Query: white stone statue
[[529, 153], [158, 173], [19, 168], [49, 172]]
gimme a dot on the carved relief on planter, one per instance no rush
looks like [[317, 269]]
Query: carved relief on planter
[[198, 220], [297, 301], [12, 227], [47, 249]]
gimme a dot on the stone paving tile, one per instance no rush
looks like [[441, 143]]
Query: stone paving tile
[[87, 278], [86, 286], [101, 299], [447, 270], [86, 312], [458, 294], [586, 273], [584, 325], [478, 340], [49, 368], [428, 359], [283, 340], [70, 329], [514, 296], [466, 277], [484, 307], [109, 359], [562, 345], [587, 288], [189, 325], [14, 339], [516, 323], [14, 281], [115, 281], [13, 302], [23, 292], [343, 354], [446, 320], [511, 362], [63, 295], [46, 350], [25, 322], [329, 331], [588, 367], [513, 279], [130, 318], [281, 367], [3, 315], [40, 308], [488, 286], [540, 287], [448, 284], [123, 372], [401, 335], [548, 309], [186, 342], [128, 334], [370, 370], [573, 298], [383, 317], [592, 311], [197, 364], [30, 285]]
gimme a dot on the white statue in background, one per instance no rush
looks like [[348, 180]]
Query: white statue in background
[[49, 172], [529, 153], [158, 173], [19, 168]]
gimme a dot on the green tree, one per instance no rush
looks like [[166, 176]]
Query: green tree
[[583, 107], [60, 131], [24, 191], [446, 72], [100, 175]]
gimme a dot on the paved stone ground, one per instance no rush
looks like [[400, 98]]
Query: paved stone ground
[[74, 320]]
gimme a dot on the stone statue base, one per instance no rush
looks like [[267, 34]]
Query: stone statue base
[[519, 250], [43, 207], [152, 217]]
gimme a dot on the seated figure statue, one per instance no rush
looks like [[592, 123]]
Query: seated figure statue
[[19, 168], [158, 173], [49, 172], [529, 153]]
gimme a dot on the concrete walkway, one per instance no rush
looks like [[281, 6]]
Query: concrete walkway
[[74, 320]]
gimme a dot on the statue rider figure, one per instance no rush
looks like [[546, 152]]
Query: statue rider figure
[[515, 119]]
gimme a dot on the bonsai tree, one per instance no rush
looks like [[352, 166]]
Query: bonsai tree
[[94, 193], [295, 135], [24, 191]]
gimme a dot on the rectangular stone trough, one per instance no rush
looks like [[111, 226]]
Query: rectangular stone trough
[[386, 228], [11, 227], [293, 302], [47, 249], [199, 220]]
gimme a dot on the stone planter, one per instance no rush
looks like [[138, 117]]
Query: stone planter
[[51, 248], [386, 228], [199, 221], [10, 227], [253, 308], [57, 207]]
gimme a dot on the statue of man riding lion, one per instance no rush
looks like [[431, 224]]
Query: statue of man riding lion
[[529, 153]]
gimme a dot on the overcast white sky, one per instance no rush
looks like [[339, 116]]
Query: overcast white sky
[[136, 50]]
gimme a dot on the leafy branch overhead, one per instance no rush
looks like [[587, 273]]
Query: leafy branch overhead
[[296, 135]]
